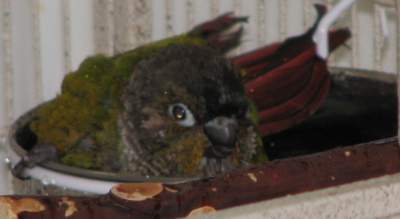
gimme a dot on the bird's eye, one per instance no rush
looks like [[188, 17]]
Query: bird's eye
[[181, 113]]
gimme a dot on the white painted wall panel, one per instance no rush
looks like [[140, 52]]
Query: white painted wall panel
[[22, 57], [272, 20], [388, 57], [52, 46], [81, 30], [366, 35], [159, 23], [177, 17], [249, 8], [3, 112]]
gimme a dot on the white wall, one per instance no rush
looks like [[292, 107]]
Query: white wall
[[44, 39]]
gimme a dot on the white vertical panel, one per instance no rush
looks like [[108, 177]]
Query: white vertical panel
[[295, 17], [389, 54], [140, 20], [7, 86], [378, 38], [3, 111], [122, 33], [366, 36], [6, 90], [66, 29], [81, 30], [354, 36], [261, 23], [308, 13], [37, 51], [169, 22], [283, 19], [159, 20], [22, 56], [132, 24], [202, 11], [249, 8], [214, 8], [179, 17], [225, 6], [103, 18], [190, 13], [51, 43], [272, 16]]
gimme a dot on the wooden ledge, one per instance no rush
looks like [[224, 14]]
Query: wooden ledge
[[274, 179]]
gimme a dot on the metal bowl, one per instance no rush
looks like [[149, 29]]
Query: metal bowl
[[21, 139], [353, 92]]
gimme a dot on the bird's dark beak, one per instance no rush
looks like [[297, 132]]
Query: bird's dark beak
[[222, 133]]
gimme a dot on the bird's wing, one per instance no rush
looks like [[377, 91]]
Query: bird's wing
[[220, 33], [287, 81]]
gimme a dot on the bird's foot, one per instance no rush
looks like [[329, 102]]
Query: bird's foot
[[38, 154]]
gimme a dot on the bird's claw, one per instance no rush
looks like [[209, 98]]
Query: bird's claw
[[18, 171], [213, 166]]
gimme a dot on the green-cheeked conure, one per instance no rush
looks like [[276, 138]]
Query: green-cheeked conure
[[179, 106]]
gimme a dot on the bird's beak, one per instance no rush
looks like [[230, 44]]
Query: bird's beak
[[222, 133]]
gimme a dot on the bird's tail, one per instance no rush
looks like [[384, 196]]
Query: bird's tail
[[287, 81]]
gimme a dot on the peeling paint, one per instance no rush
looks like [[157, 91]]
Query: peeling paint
[[71, 206], [11, 208], [252, 176], [202, 210], [170, 189], [137, 191]]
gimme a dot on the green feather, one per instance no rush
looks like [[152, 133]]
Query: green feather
[[89, 105]]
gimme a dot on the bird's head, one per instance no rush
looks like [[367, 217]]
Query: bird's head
[[186, 114]]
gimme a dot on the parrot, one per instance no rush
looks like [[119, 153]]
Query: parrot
[[181, 106]]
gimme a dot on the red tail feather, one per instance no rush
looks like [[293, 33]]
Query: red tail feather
[[245, 59], [308, 108], [287, 81], [263, 89]]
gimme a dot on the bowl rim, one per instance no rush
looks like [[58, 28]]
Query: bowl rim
[[19, 152]]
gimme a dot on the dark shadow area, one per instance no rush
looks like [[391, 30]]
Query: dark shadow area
[[26, 137], [361, 107]]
